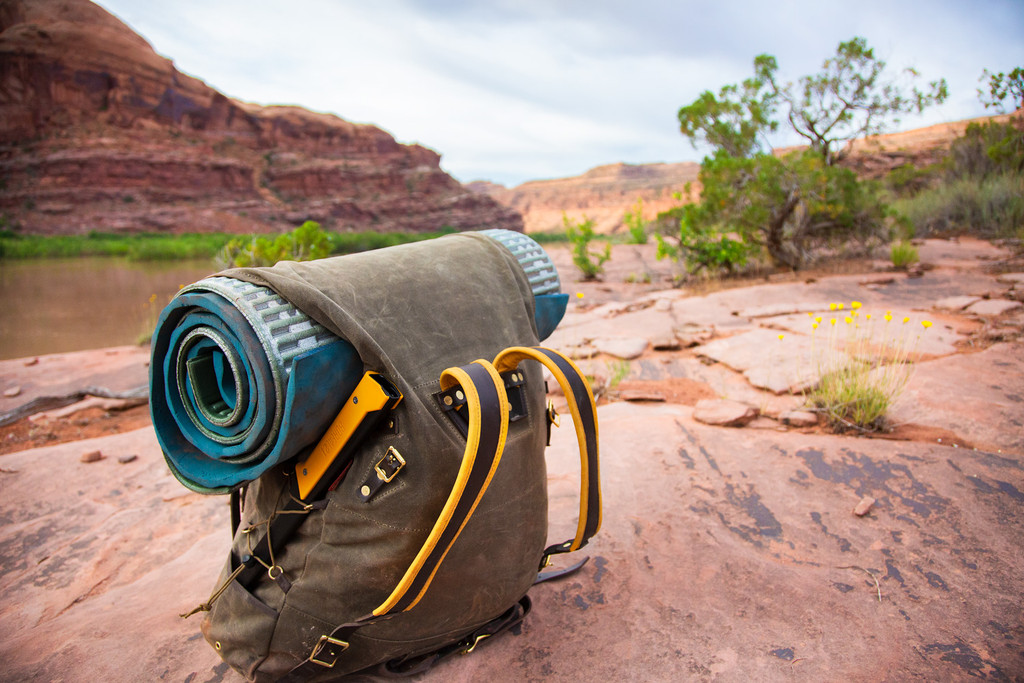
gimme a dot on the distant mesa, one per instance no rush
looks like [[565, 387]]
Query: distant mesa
[[98, 132], [602, 194]]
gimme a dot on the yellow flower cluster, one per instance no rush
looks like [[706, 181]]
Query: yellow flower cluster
[[851, 319]]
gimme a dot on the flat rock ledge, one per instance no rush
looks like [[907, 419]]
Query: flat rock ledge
[[955, 303], [723, 412], [993, 306]]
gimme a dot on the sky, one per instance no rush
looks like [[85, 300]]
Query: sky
[[517, 90]]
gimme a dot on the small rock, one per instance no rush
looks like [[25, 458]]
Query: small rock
[[916, 270], [762, 422], [864, 506], [581, 352], [125, 459], [626, 348], [30, 363], [665, 343], [693, 335], [642, 395], [1011, 278], [877, 281], [723, 412], [91, 456], [990, 307], [955, 303], [12, 392], [798, 418]]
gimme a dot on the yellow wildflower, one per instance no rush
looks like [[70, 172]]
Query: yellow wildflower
[[579, 295], [839, 307], [848, 320], [814, 326], [817, 318], [781, 336], [926, 324], [832, 307], [855, 305], [832, 321], [906, 320], [888, 316]]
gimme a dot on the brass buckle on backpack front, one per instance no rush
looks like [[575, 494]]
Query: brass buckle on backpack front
[[389, 465], [324, 645]]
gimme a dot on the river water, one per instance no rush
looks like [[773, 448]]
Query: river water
[[58, 305]]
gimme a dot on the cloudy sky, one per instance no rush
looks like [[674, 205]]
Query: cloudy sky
[[514, 90]]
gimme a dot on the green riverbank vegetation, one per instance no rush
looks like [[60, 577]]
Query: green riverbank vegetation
[[258, 249]]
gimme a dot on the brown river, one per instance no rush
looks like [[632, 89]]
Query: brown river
[[58, 305]]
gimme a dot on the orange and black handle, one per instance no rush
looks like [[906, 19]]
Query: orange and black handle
[[373, 399]]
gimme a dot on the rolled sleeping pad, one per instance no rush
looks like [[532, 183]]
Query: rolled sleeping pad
[[237, 373]]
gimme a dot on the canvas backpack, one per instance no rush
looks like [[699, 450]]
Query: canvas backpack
[[432, 537]]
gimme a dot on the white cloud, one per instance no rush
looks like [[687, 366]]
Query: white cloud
[[522, 89]]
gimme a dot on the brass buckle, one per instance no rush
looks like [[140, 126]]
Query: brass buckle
[[476, 641], [552, 414], [395, 462], [322, 645]]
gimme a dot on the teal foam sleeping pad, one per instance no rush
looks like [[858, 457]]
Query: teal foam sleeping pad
[[241, 379]]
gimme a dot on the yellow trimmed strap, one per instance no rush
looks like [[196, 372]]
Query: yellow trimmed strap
[[584, 415], [488, 428]]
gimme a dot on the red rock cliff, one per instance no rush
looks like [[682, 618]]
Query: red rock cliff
[[97, 131]]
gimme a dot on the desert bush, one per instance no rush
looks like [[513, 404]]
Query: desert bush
[[581, 234], [903, 254], [988, 207], [986, 149], [635, 223], [787, 208], [305, 243], [863, 368]]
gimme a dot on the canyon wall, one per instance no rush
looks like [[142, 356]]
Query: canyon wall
[[98, 132]]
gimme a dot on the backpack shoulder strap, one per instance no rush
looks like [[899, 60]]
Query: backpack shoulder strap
[[488, 408], [584, 414]]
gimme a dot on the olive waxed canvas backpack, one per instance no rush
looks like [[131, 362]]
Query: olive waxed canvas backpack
[[429, 538]]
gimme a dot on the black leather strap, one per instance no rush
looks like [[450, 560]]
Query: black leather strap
[[583, 409]]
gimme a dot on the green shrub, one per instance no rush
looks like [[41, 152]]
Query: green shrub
[[863, 367], [635, 223], [991, 207], [581, 235], [985, 149], [907, 180], [903, 254], [305, 243]]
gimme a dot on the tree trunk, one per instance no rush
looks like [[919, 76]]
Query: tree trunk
[[783, 254]]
